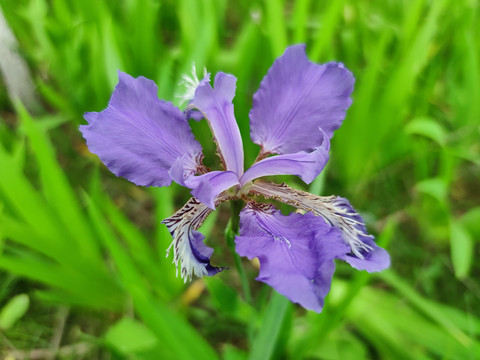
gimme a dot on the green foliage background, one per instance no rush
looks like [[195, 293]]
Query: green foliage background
[[82, 253]]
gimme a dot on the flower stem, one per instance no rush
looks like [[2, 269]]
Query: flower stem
[[230, 233]]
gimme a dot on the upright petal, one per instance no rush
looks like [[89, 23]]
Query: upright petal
[[364, 254], [216, 105], [296, 252], [189, 251], [138, 136], [295, 99], [305, 165]]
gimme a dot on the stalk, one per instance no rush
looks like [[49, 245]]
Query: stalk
[[231, 231]]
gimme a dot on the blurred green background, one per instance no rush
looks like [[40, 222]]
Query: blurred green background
[[83, 273]]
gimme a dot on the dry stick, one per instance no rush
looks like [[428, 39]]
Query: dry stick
[[14, 69], [59, 328], [78, 350]]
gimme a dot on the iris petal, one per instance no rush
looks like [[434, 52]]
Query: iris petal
[[205, 187], [216, 105], [376, 259], [305, 165], [365, 254], [208, 186], [297, 97], [336, 211], [296, 252], [189, 251], [138, 136]]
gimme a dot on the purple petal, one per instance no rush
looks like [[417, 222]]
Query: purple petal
[[204, 187], [296, 252], [216, 105], [377, 259], [208, 186], [336, 211], [305, 165], [193, 114], [138, 136], [295, 99], [364, 253], [91, 117], [189, 251]]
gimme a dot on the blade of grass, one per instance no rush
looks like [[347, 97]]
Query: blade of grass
[[324, 36], [57, 190], [274, 316], [275, 22], [424, 306], [300, 20], [165, 323]]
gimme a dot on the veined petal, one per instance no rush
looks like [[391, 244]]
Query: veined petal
[[296, 252], [216, 105], [189, 251], [208, 186], [364, 254], [297, 97], [305, 165], [371, 260], [138, 136]]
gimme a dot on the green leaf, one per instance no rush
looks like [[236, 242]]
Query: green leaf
[[300, 18], [224, 298], [232, 353], [128, 335], [175, 333], [13, 311], [111, 55], [393, 333], [276, 25], [471, 222], [324, 36], [461, 247], [227, 300], [57, 190], [425, 306], [435, 187], [265, 341], [428, 128]]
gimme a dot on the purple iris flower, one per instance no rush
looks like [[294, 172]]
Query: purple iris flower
[[295, 111]]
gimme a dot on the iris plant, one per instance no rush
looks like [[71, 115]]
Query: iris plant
[[295, 111]]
